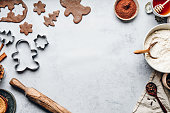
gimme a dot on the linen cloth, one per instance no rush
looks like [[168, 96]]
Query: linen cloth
[[149, 104]]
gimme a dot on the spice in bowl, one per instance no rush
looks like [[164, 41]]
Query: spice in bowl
[[3, 104], [125, 9], [164, 8]]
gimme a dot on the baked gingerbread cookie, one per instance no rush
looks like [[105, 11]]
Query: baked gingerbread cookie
[[39, 7], [11, 17], [25, 28], [75, 8], [52, 17]]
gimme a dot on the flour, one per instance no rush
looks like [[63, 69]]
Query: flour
[[161, 50]]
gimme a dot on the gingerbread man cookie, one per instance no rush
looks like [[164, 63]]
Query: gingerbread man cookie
[[75, 8]]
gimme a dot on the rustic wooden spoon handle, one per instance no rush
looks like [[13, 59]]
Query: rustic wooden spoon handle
[[17, 84], [141, 51], [160, 103]]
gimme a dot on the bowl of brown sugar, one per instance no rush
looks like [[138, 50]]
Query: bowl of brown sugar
[[126, 9]]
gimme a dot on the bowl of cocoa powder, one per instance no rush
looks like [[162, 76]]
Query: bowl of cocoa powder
[[126, 9]]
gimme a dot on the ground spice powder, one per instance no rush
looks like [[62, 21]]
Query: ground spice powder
[[126, 8]]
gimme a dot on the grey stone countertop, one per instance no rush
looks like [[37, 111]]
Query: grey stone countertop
[[88, 67]]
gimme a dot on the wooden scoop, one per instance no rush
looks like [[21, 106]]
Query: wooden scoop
[[146, 50], [39, 98]]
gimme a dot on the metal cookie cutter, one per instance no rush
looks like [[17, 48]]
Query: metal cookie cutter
[[4, 39], [41, 45], [33, 51]]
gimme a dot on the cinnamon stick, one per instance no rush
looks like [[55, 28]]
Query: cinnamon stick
[[2, 45], [3, 56]]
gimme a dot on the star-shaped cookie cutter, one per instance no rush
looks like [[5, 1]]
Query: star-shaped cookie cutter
[[18, 60], [8, 34], [39, 37]]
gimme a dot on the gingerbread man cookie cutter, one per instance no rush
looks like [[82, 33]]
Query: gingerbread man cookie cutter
[[18, 60]]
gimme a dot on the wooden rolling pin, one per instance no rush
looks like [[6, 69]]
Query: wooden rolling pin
[[39, 98]]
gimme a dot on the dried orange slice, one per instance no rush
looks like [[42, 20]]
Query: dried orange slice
[[3, 104]]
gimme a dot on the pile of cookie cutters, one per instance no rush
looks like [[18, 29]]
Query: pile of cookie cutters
[[33, 51], [6, 38], [18, 60]]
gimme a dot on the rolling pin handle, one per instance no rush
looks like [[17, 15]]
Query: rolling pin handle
[[17, 84]]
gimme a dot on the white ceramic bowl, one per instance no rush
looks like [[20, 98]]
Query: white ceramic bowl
[[158, 27], [137, 11]]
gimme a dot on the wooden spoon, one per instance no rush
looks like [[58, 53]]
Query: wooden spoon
[[151, 89], [146, 50]]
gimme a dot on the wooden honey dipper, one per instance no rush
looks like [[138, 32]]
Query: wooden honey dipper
[[158, 8]]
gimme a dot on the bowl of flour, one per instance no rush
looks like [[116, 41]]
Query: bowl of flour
[[161, 50]]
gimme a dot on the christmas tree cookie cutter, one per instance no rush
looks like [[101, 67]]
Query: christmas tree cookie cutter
[[33, 51]]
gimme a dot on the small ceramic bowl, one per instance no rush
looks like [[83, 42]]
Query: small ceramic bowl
[[155, 13], [137, 11], [164, 81]]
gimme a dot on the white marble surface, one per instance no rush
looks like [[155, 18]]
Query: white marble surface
[[88, 67]]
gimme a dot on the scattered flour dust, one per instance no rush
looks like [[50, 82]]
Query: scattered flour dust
[[161, 50]]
